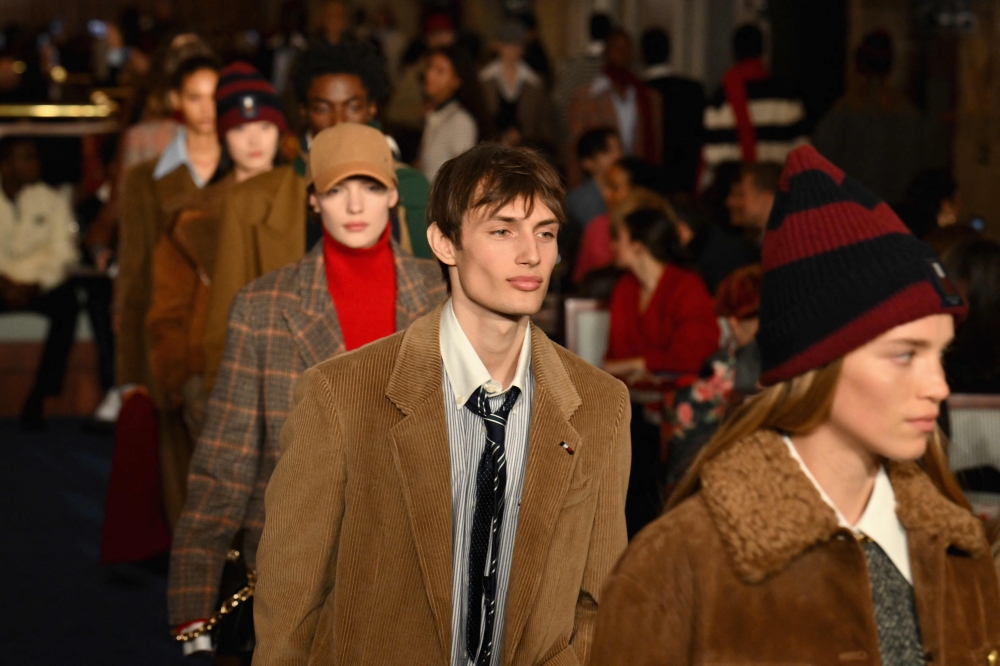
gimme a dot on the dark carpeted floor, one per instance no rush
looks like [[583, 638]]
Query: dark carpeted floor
[[58, 604]]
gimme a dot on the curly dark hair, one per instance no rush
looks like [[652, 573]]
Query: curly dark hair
[[350, 56]]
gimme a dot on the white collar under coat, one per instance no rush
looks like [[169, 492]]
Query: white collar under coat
[[465, 369], [878, 522]]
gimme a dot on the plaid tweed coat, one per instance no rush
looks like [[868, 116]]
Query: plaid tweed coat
[[280, 325]]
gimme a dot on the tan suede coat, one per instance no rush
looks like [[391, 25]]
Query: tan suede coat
[[754, 569], [355, 564]]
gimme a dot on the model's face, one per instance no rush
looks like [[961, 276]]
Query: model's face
[[196, 101], [509, 53], [335, 20], [626, 250], [618, 51], [253, 145], [440, 79], [506, 259], [23, 166], [889, 392], [335, 99], [749, 207], [617, 186], [599, 164], [355, 211]]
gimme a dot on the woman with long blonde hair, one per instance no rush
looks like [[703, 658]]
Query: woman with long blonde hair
[[821, 524]]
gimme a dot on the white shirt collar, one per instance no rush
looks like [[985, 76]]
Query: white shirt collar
[[176, 155], [494, 71], [465, 369], [657, 71], [879, 521]]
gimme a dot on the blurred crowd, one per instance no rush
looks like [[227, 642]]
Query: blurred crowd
[[206, 183]]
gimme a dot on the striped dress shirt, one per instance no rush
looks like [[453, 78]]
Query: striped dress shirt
[[462, 373]]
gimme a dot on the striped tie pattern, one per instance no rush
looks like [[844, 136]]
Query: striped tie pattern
[[484, 546]]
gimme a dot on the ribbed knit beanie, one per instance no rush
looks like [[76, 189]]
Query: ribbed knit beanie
[[244, 96], [840, 269]]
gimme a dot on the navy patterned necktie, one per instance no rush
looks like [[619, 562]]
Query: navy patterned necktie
[[491, 486]]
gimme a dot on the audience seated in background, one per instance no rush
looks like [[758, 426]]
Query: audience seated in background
[[751, 198], [619, 181], [514, 95], [972, 362], [597, 150], [616, 98], [580, 69], [753, 116], [693, 413], [37, 249], [874, 131], [683, 111], [662, 318], [452, 125], [715, 252]]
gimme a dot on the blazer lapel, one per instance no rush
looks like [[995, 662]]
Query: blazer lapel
[[409, 288], [421, 454], [547, 478], [314, 325], [281, 237]]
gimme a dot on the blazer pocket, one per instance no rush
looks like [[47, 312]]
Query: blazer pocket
[[577, 494]]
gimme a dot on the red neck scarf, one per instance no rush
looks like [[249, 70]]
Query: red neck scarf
[[362, 284], [734, 83], [623, 78]]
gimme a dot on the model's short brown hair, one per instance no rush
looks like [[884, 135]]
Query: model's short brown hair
[[491, 176]]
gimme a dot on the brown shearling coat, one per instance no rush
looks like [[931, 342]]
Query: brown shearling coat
[[754, 569], [355, 564]]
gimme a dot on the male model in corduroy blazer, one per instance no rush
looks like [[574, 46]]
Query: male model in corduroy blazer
[[467, 439]]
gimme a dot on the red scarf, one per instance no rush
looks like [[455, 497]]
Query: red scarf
[[623, 78], [734, 83], [362, 284]]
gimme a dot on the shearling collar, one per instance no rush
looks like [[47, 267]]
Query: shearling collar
[[767, 512]]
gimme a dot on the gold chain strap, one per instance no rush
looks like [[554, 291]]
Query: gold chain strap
[[227, 607]]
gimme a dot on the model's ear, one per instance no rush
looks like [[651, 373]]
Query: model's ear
[[175, 100], [314, 202], [441, 245], [393, 197]]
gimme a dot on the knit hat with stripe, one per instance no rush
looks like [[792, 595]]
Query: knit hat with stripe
[[244, 96], [840, 269]]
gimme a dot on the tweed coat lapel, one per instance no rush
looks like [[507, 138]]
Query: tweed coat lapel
[[548, 473], [281, 235], [314, 325], [420, 452]]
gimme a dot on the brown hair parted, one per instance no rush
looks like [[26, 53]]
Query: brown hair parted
[[797, 406], [491, 176]]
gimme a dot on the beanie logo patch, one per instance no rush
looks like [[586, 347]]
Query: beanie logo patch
[[248, 108], [950, 297]]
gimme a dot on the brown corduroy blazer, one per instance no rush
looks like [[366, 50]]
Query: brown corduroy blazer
[[146, 206], [280, 325], [355, 564], [754, 569]]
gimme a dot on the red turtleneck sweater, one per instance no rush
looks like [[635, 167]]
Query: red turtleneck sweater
[[362, 284]]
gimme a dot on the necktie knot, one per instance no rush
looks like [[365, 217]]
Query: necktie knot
[[479, 403]]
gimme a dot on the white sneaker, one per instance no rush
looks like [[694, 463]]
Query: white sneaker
[[107, 411]]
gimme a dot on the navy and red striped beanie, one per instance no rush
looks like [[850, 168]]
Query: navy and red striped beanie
[[840, 269], [244, 96]]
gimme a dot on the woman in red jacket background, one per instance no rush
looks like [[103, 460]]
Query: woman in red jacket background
[[662, 318]]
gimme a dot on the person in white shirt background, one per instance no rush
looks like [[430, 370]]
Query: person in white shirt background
[[453, 123]]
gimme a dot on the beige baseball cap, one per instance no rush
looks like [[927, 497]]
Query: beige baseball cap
[[350, 149]]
